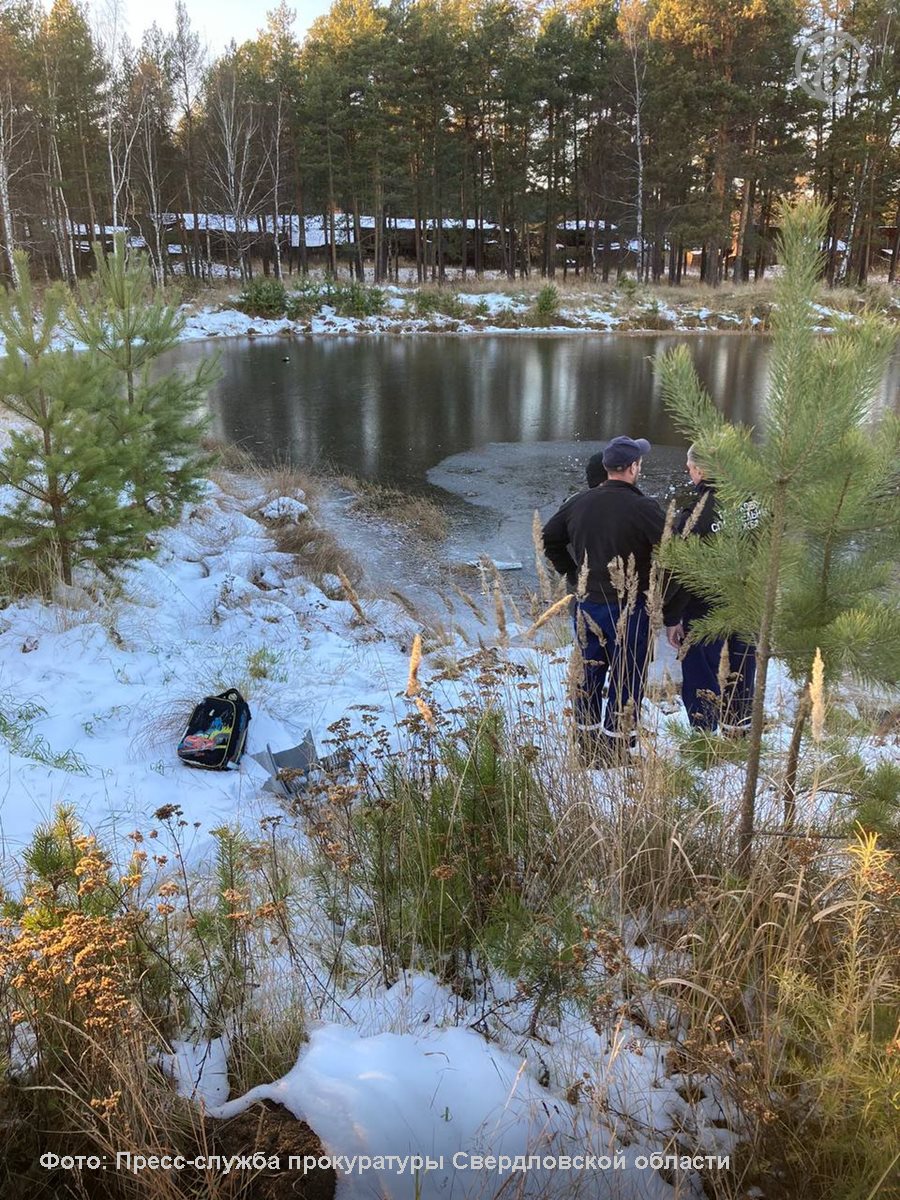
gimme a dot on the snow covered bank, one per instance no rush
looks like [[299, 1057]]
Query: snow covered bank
[[99, 688], [95, 691], [464, 313], [458, 311]]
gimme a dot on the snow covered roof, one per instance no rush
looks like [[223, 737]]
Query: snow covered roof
[[315, 226], [79, 230]]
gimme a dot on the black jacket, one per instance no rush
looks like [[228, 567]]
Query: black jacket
[[613, 520], [681, 603]]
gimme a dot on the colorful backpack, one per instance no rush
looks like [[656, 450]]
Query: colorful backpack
[[216, 732]]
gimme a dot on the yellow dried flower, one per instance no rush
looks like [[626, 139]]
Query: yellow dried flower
[[817, 697], [415, 658]]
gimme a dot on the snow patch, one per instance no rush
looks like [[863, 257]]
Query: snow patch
[[286, 508]]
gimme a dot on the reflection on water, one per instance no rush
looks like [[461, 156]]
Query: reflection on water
[[390, 408], [500, 424]]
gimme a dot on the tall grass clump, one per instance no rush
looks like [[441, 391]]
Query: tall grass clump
[[451, 850], [450, 856], [419, 513], [444, 843], [791, 1001], [102, 963]]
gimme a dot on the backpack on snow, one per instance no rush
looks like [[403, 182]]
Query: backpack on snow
[[216, 732]]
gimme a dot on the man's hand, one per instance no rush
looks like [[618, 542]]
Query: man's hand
[[675, 635]]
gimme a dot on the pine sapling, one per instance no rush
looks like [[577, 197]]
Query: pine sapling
[[822, 474], [68, 473], [128, 324]]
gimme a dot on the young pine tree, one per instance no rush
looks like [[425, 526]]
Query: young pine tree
[[823, 471], [838, 600], [66, 468], [127, 324]]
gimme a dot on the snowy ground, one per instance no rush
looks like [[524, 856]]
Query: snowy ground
[[117, 679], [98, 690], [95, 692]]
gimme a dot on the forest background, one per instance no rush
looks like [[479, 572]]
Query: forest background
[[581, 136]]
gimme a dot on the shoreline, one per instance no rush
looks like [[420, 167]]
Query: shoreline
[[493, 314]]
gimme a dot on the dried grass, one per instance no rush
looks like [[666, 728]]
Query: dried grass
[[420, 514]]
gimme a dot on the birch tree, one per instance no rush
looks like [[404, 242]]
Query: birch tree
[[634, 28], [188, 58], [12, 138], [235, 167], [152, 86]]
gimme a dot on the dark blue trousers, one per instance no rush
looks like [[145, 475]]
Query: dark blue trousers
[[611, 652], [706, 708]]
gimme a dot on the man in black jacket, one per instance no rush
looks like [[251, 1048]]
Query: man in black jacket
[[709, 705], [594, 474], [607, 535]]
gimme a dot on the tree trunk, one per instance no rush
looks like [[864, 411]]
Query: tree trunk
[[763, 652], [849, 252], [866, 256], [789, 796], [92, 212], [192, 193], [639, 192], [738, 272], [548, 267], [301, 222], [378, 272], [358, 260], [6, 218], [892, 271], [759, 269]]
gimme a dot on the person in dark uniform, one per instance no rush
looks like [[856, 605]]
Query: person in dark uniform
[[703, 665], [594, 474], [594, 471], [611, 528]]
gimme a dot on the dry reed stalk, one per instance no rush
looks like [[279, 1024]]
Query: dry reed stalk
[[656, 588], [405, 603], [696, 512], [817, 697], [594, 628], [537, 536], [470, 603], [353, 598], [631, 583], [500, 612], [723, 672], [575, 674], [581, 586], [548, 615], [415, 658], [616, 569]]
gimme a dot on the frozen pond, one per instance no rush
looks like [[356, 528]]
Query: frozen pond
[[494, 427]]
